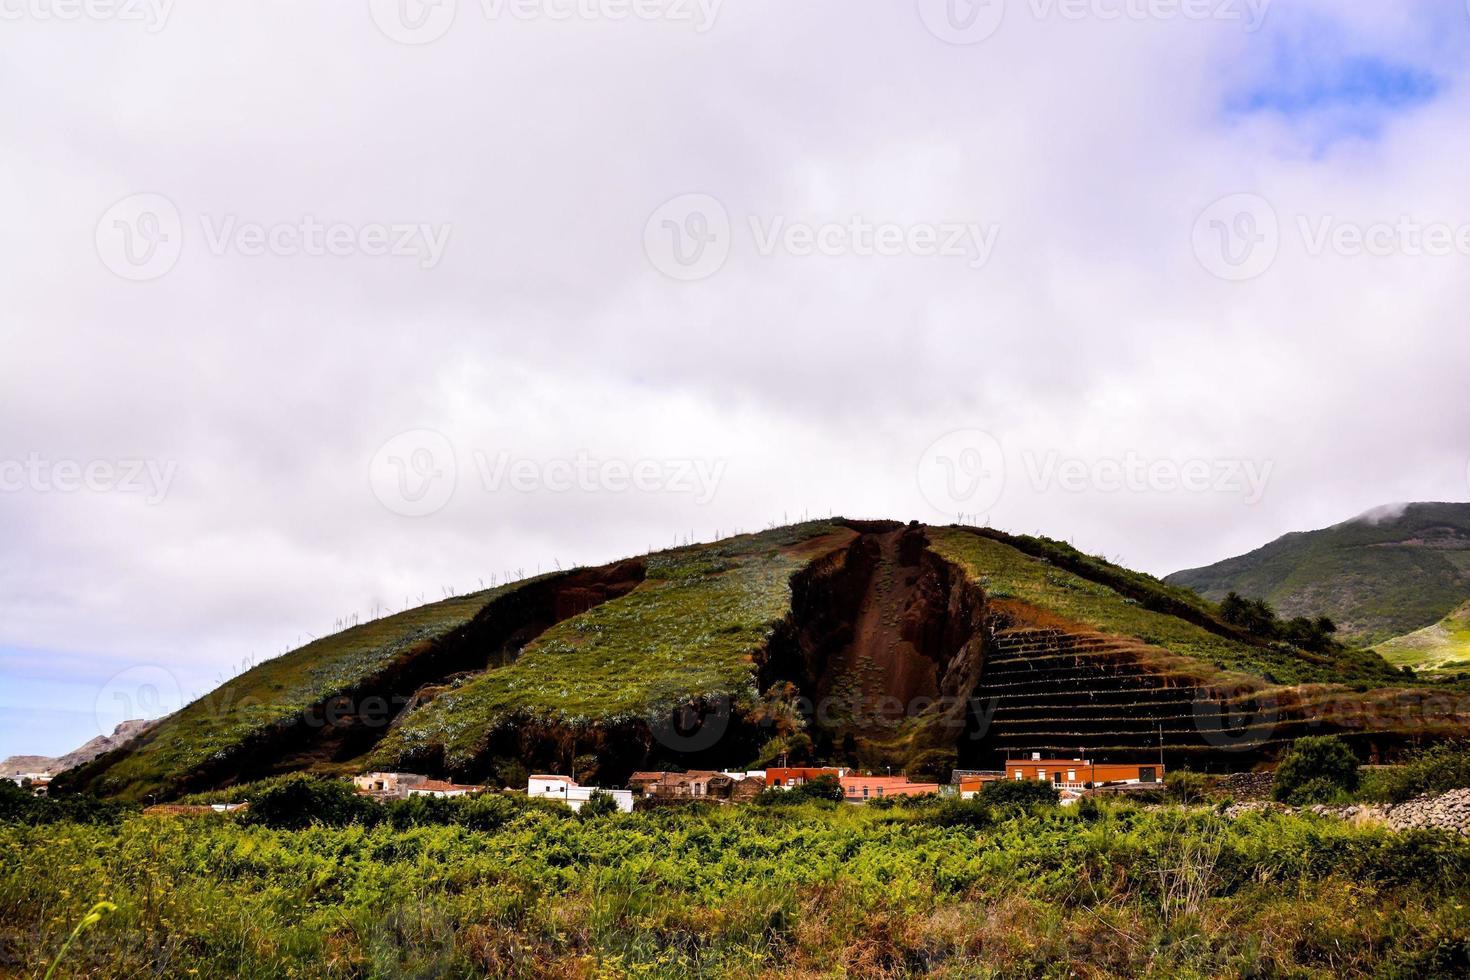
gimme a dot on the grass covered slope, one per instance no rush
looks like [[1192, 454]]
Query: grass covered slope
[[1379, 576], [1116, 601], [276, 692], [690, 631], [1444, 647]]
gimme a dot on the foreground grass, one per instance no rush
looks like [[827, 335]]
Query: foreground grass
[[748, 891], [689, 630]]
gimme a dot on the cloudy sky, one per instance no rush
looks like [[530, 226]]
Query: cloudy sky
[[316, 309]]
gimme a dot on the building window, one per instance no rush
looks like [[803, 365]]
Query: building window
[[1071, 775], [1019, 774], [865, 792]]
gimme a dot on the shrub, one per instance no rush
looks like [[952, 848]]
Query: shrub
[[1018, 794], [298, 803], [599, 804], [1185, 786], [1437, 769], [1315, 770], [20, 805], [954, 812], [819, 789]]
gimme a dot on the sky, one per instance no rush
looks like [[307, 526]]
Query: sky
[[318, 310]]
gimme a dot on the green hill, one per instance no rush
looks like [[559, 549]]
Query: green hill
[[871, 643], [1378, 576], [1445, 646]]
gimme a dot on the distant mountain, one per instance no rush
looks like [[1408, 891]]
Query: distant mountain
[[1383, 574], [18, 765]]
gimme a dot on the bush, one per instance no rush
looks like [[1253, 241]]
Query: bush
[[21, 806], [954, 812], [1185, 786], [1437, 769], [1316, 770], [295, 804], [599, 804], [1018, 794], [820, 789]]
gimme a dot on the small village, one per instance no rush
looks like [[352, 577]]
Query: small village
[[1072, 778]]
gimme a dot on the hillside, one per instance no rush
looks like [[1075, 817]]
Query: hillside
[[1445, 646], [871, 643], [1381, 575]]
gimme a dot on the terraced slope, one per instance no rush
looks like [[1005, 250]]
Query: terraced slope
[[1381, 575]]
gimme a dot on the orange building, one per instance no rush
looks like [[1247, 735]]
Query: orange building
[[1073, 774], [788, 778], [859, 789]]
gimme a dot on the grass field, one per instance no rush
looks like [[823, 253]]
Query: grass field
[[743, 892]]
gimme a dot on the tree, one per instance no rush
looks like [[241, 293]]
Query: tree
[[1316, 769], [599, 804]]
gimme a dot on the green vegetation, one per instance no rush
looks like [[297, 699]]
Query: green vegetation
[[1107, 890], [278, 692], [1379, 576], [1316, 769], [1443, 647], [1007, 573], [689, 631], [19, 805], [1436, 769]]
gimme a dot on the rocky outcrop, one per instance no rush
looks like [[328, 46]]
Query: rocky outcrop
[[18, 765]]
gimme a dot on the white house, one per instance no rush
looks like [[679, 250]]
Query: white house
[[566, 790]]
